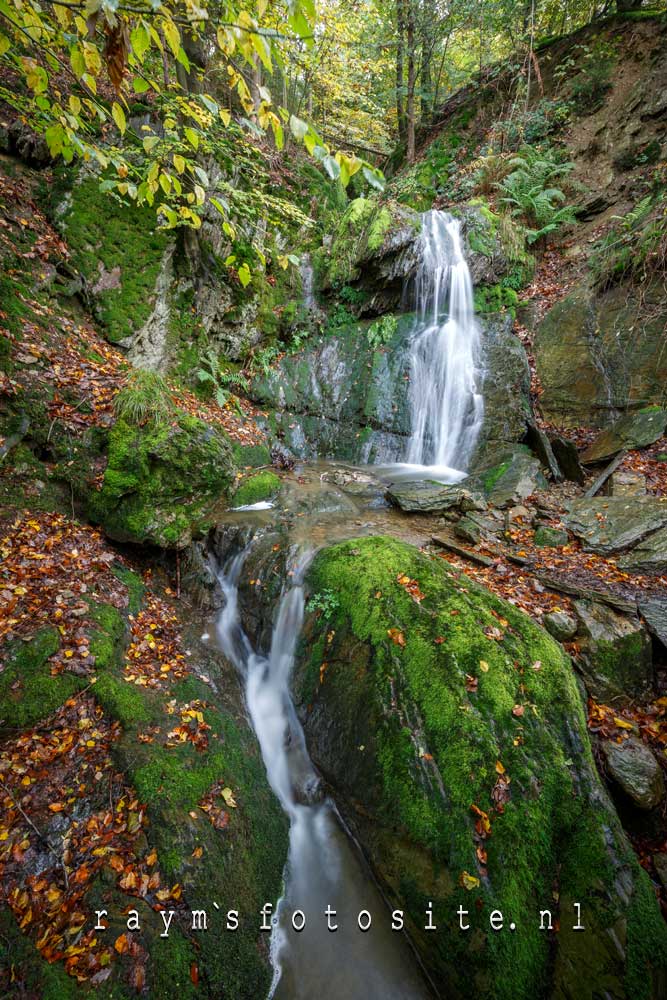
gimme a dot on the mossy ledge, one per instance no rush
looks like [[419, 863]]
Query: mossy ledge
[[411, 710]]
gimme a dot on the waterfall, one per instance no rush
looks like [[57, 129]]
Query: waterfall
[[324, 867], [446, 407]]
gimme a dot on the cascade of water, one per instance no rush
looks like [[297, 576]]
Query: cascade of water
[[446, 407], [323, 868]]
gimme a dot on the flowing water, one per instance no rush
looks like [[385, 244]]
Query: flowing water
[[325, 872], [447, 408], [324, 866]]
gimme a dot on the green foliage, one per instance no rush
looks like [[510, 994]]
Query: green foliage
[[261, 486], [585, 75], [380, 332], [636, 247], [324, 601], [530, 193], [262, 360], [221, 381], [145, 399]]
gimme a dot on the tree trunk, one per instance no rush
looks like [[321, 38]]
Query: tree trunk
[[400, 103], [410, 103]]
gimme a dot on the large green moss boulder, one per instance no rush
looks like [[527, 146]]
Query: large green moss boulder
[[452, 730], [162, 479]]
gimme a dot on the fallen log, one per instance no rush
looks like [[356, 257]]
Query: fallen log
[[458, 550], [604, 476], [623, 604]]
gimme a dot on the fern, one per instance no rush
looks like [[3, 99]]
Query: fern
[[220, 380], [530, 192]]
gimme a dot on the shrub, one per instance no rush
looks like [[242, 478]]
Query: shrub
[[218, 379], [529, 192]]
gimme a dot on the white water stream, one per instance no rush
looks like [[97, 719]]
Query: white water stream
[[324, 867], [446, 406]]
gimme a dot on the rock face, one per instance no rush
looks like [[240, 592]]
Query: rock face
[[513, 475], [447, 761], [599, 355], [343, 397], [160, 483], [611, 524], [615, 653], [635, 430], [634, 768]]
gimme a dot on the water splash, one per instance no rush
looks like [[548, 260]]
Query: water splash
[[447, 408]]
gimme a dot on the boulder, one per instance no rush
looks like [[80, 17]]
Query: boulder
[[513, 475], [451, 731], [634, 430], [654, 612], [599, 354], [468, 530], [539, 441], [634, 769], [546, 537], [650, 556], [615, 658], [560, 625], [161, 481], [426, 497], [626, 484], [567, 456], [611, 524]]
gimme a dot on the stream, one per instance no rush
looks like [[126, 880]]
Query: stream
[[318, 947]]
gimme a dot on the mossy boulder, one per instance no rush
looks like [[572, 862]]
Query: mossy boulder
[[161, 480], [262, 486], [615, 656], [418, 712]]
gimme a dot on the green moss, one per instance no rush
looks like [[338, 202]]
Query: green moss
[[495, 298], [121, 700], [134, 584], [251, 455], [549, 537], [495, 474], [361, 231], [23, 972], [261, 486], [393, 702], [28, 692], [111, 244], [161, 481]]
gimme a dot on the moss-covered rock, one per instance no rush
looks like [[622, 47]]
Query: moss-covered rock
[[28, 692], [117, 249], [161, 480], [422, 712], [254, 489]]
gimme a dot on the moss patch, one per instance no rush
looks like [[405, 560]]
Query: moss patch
[[28, 692], [117, 248], [262, 486]]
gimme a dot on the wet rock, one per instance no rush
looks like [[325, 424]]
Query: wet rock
[[634, 768], [546, 537], [635, 430], [429, 497], [567, 457], [560, 625], [615, 658], [627, 484], [505, 386], [598, 354], [610, 524], [468, 530]]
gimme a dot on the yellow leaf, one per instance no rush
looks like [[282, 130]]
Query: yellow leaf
[[622, 724], [484, 666], [119, 117], [469, 882], [228, 796], [499, 768]]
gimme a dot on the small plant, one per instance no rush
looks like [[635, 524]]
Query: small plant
[[636, 247], [145, 399], [221, 381], [530, 193], [324, 601], [262, 361], [586, 75], [381, 331]]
